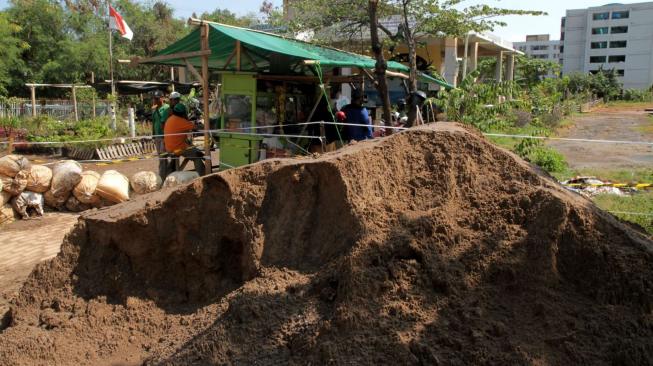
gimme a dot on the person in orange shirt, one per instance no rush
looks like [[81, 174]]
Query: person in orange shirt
[[176, 142]]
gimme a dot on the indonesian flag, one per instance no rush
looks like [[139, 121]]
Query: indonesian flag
[[116, 22]]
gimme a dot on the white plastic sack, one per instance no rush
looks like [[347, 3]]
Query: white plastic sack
[[7, 214], [10, 165], [85, 190], [28, 200], [178, 178], [39, 178], [74, 205], [65, 176], [15, 185], [145, 182], [113, 187], [56, 202]]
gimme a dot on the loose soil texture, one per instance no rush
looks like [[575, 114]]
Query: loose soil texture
[[429, 247]]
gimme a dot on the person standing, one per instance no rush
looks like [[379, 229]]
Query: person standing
[[160, 114], [177, 143], [358, 115]]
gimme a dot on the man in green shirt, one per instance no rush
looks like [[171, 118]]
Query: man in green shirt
[[160, 114]]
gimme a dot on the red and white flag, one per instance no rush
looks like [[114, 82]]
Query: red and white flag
[[116, 22]]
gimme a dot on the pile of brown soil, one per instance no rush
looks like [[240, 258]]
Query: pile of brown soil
[[428, 247]]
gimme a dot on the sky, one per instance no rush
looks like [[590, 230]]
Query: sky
[[517, 29]]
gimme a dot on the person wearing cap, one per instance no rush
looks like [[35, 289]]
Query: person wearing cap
[[175, 97], [160, 114], [357, 114], [176, 142]]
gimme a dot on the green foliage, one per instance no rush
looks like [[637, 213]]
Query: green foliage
[[9, 125], [631, 208], [548, 159], [604, 84], [635, 95], [63, 42], [530, 71], [478, 104]]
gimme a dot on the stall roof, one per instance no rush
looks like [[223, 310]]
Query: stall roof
[[260, 50], [424, 77]]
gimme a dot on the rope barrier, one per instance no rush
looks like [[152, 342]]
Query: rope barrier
[[570, 139]]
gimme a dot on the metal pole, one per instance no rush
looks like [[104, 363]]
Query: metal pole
[[113, 85], [205, 97]]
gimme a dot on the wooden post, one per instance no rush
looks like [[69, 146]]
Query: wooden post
[[205, 97], [238, 49], [93, 83], [33, 92], [75, 103]]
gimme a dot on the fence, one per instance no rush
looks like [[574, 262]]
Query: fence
[[55, 108]]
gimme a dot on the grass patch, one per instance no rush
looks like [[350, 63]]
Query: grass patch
[[630, 104], [639, 204], [633, 208]]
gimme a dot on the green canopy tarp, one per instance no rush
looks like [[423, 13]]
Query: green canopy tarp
[[426, 78], [261, 51]]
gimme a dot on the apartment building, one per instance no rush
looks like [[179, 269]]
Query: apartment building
[[613, 36], [540, 46]]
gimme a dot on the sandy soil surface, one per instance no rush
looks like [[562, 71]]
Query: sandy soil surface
[[608, 123], [25, 243], [429, 247]]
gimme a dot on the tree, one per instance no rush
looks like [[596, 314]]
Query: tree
[[381, 65], [530, 71], [418, 18], [11, 49]]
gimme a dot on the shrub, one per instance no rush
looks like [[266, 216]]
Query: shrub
[[548, 159], [635, 95]]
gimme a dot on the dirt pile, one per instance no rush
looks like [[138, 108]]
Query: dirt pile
[[428, 247]]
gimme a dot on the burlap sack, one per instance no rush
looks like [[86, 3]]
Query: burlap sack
[[56, 202], [145, 182], [85, 190], [65, 176], [15, 185], [178, 178], [7, 214], [113, 187], [5, 197], [10, 165], [39, 179], [74, 205]]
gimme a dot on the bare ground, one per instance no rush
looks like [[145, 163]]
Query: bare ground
[[623, 123]]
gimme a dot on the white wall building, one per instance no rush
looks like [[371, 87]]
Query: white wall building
[[540, 46], [614, 36]]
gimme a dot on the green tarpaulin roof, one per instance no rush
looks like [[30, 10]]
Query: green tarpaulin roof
[[426, 78], [263, 49]]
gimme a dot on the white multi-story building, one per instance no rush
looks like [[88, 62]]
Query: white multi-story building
[[540, 46], [613, 36]]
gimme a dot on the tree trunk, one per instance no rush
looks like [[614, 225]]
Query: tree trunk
[[381, 65], [412, 64]]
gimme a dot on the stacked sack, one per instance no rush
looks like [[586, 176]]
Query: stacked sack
[[16, 175], [25, 188]]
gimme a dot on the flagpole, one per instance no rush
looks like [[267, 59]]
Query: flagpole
[[113, 85]]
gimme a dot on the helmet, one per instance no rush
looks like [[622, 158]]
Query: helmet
[[157, 94], [175, 95], [341, 116]]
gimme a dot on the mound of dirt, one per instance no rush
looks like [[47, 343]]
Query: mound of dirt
[[431, 247]]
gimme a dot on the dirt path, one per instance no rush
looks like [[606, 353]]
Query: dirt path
[[25, 243], [609, 123]]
